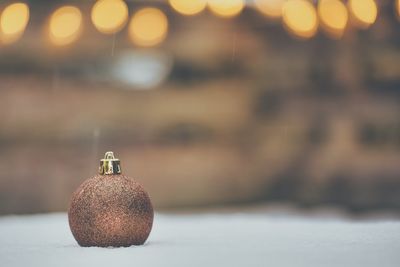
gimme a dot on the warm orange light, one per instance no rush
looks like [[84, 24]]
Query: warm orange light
[[188, 7], [109, 16], [397, 6], [226, 8], [333, 16], [300, 18], [14, 19], [364, 12], [270, 8], [65, 25], [148, 27]]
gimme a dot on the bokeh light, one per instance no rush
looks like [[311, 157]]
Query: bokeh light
[[300, 18], [270, 8], [364, 12], [109, 16], [148, 27], [333, 16], [65, 25], [226, 8], [188, 7], [14, 19], [397, 7]]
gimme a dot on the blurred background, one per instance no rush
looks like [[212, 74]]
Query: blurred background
[[206, 102]]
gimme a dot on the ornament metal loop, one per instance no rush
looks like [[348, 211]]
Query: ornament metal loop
[[110, 165]]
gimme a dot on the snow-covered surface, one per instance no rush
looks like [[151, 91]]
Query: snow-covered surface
[[233, 239]]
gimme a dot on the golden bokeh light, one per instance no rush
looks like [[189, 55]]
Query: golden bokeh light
[[270, 8], [65, 25], [148, 27], [188, 7], [300, 18], [226, 8], [364, 12], [333, 17], [14, 19], [397, 7], [109, 16]]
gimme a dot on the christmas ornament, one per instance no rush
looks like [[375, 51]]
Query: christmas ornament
[[110, 209]]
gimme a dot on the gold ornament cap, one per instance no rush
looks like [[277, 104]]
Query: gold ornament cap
[[109, 165]]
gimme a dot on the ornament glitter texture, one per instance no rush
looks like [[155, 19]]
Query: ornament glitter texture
[[110, 209]]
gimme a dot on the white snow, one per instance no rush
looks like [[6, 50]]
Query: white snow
[[239, 239]]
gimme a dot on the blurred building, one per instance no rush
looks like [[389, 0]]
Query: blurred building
[[204, 108]]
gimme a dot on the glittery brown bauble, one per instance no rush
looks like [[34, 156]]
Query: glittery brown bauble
[[110, 210]]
